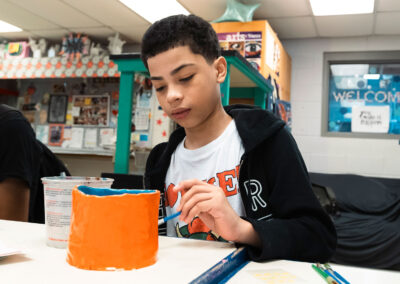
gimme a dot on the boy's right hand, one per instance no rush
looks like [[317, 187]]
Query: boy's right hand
[[211, 205]]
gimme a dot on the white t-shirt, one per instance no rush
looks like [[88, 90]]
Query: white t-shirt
[[216, 163]]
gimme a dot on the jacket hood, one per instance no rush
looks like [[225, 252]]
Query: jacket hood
[[254, 124]]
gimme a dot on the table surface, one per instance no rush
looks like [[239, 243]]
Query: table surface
[[179, 261]]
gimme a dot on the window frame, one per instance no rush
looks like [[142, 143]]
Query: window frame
[[352, 57]]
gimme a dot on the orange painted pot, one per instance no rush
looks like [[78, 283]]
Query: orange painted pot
[[113, 229]]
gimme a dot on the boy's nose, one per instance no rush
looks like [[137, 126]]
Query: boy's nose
[[173, 95]]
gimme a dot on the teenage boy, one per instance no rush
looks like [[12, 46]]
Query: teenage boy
[[235, 173]]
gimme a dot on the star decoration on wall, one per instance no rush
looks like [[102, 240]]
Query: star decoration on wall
[[159, 121], [237, 12]]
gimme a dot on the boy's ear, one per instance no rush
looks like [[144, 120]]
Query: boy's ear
[[221, 69]]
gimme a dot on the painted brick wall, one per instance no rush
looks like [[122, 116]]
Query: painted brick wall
[[372, 157]]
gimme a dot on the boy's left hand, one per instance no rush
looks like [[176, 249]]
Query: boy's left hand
[[211, 205]]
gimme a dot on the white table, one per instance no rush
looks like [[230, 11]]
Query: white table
[[179, 261], [304, 272]]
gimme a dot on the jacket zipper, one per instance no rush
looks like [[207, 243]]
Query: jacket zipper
[[240, 168]]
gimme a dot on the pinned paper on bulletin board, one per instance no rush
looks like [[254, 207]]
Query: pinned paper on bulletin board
[[67, 137], [370, 119], [42, 133], [76, 137], [142, 119], [90, 138], [107, 136]]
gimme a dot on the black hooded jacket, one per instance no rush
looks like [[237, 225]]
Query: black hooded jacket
[[274, 186]]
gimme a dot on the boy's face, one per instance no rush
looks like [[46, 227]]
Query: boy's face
[[187, 86]]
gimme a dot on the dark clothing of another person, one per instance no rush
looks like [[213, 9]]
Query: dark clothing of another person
[[274, 186], [22, 156]]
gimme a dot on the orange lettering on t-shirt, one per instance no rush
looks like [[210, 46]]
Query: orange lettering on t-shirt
[[226, 182], [211, 180], [172, 196]]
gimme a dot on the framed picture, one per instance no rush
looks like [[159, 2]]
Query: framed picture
[[56, 133], [91, 110], [57, 109]]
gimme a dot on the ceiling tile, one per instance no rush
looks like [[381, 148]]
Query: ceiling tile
[[387, 23], [346, 25], [54, 34], [388, 5], [23, 18], [279, 8], [95, 32], [209, 10], [108, 12], [15, 36], [294, 27], [134, 34], [58, 13]]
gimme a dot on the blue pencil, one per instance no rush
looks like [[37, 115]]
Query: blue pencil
[[338, 276], [165, 219], [331, 275], [227, 267]]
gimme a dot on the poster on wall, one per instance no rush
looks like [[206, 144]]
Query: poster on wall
[[248, 44], [273, 54], [56, 132], [91, 110], [57, 109]]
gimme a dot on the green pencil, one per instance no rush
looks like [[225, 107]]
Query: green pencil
[[326, 277]]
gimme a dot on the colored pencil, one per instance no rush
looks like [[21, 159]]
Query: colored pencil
[[166, 219], [338, 276], [222, 271], [326, 277]]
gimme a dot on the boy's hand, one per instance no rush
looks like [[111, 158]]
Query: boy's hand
[[211, 205]]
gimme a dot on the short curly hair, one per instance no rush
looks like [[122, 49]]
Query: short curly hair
[[181, 30]]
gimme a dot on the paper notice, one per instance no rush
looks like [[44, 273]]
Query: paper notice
[[106, 136], [370, 119], [76, 137], [90, 138]]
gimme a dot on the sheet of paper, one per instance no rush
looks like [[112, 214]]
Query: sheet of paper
[[67, 137], [76, 111], [107, 136], [142, 119], [90, 138], [42, 133], [6, 250], [76, 137], [275, 276], [370, 119]]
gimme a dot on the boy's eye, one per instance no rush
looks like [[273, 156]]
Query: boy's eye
[[186, 78], [159, 89]]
